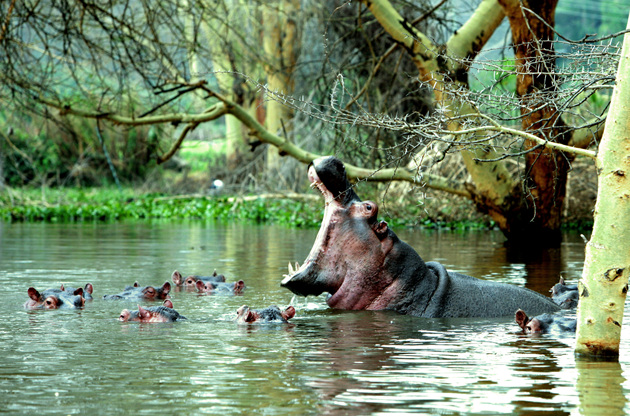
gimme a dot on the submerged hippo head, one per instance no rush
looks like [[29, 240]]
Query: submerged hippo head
[[545, 323], [54, 299], [272, 314], [164, 313], [348, 258]]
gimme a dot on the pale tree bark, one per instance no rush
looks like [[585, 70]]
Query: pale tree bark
[[492, 182], [604, 284], [281, 40], [523, 213], [230, 58]]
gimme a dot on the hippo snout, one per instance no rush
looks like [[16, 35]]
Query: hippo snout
[[300, 285]]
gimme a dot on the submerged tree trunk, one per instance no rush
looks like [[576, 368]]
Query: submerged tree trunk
[[604, 284]]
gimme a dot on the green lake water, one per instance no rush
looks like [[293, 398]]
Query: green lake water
[[326, 362]]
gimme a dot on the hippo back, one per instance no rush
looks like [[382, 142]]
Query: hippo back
[[458, 295]]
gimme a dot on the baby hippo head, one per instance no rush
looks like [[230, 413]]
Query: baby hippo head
[[272, 314], [235, 288], [164, 313]]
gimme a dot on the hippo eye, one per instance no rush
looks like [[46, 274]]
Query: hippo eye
[[368, 207]]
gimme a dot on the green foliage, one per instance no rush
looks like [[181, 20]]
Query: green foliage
[[203, 156], [110, 205], [50, 150], [506, 77]]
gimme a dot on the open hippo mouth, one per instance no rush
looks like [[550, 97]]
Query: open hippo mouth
[[329, 176], [363, 265]]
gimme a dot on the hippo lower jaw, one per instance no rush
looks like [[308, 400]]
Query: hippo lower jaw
[[292, 283]]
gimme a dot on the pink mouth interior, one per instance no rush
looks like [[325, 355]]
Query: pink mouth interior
[[329, 208]]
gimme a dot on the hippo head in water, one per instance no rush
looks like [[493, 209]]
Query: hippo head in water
[[362, 264]]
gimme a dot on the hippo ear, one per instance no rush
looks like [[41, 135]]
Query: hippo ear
[[561, 280], [89, 288], [288, 313], [62, 288], [239, 286], [521, 319], [166, 287], [381, 229], [33, 294], [200, 286], [214, 274], [136, 284], [167, 303], [78, 292], [176, 277], [250, 316]]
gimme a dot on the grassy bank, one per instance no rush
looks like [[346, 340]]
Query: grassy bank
[[70, 205], [102, 204]]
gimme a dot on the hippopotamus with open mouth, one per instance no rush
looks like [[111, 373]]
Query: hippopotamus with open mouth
[[362, 264]]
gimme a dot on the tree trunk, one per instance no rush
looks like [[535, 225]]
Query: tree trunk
[[2, 161], [604, 282], [492, 181], [525, 219], [230, 59], [537, 216], [281, 45]]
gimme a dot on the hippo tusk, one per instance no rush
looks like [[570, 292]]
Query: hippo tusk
[[293, 270]]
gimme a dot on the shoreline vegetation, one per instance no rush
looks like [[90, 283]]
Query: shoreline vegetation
[[289, 209]]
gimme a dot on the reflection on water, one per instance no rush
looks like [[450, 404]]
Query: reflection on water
[[327, 362]]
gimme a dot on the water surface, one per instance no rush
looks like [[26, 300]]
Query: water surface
[[326, 362]]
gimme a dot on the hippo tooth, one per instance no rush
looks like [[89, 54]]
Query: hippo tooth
[[317, 185], [286, 279], [290, 269], [297, 266]]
